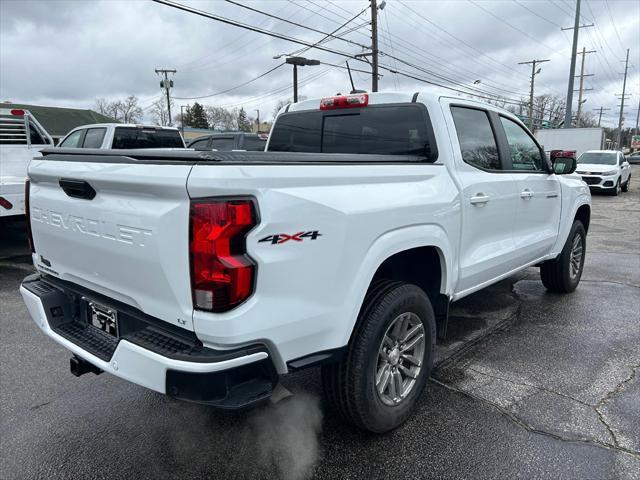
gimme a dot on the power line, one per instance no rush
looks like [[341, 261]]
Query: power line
[[457, 39], [329, 36], [233, 88], [295, 23], [211, 16], [236, 23], [510, 24], [615, 29], [533, 12]]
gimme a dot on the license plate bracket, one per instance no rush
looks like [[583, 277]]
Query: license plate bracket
[[102, 317]]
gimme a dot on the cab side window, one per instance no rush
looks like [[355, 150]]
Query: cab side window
[[94, 137], [73, 140], [525, 153], [477, 142]]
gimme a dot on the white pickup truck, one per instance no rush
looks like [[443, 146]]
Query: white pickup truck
[[123, 136], [21, 138], [208, 275]]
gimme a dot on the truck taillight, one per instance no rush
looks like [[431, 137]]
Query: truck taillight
[[222, 274], [27, 212], [344, 101]]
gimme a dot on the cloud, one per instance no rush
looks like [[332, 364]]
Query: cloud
[[68, 53]]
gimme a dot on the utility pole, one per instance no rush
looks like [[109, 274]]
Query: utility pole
[[182, 117], [167, 85], [622, 97], [601, 109], [582, 75], [533, 64], [572, 69], [258, 129], [374, 46]]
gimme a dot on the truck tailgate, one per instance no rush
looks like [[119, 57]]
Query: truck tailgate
[[129, 242]]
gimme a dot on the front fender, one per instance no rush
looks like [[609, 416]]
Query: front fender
[[391, 243]]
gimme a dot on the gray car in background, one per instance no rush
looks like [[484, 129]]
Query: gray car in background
[[225, 142]]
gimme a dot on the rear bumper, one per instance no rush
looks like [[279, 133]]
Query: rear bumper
[[150, 356]]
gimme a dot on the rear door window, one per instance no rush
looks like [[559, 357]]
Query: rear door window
[[224, 144], [94, 137], [477, 142], [134, 137], [73, 140], [200, 144], [383, 130]]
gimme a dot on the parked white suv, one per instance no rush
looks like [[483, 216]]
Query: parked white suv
[[208, 275], [605, 171]]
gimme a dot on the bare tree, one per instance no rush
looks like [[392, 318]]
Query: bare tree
[[222, 119], [160, 112], [131, 111], [281, 103], [126, 111]]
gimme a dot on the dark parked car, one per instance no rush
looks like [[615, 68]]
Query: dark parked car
[[254, 142], [634, 157]]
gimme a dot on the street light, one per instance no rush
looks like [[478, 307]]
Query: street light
[[296, 62]]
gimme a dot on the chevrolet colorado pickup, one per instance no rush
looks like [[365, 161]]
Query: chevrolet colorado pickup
[[208, 275]]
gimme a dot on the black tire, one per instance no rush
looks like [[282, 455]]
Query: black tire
[[349, 385], [625, 185], [556, 274], [616, 190]]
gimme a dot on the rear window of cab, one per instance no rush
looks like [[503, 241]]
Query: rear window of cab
[[401, 129]]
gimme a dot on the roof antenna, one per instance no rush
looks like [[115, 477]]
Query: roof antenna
[[353, 87]]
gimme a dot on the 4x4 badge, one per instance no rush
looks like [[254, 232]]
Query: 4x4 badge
[[296, 237]]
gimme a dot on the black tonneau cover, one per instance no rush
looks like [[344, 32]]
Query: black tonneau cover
[[192, 157]]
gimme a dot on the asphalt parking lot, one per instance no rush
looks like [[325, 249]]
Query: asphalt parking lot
[[528, 385]]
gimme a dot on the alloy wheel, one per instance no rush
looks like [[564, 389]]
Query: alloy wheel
[[400, 358]]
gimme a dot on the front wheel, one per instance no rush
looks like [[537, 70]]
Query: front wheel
[[615, 191], [562, 274], [625, 186], [388, 361]]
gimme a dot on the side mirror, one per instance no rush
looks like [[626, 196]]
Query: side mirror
[[563, 161]]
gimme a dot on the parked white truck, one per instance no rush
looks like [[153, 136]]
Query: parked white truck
[[123, 136], [208, 275], [21, 138]]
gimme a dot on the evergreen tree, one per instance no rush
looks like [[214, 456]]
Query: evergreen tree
[[196, 117], [244, 124]]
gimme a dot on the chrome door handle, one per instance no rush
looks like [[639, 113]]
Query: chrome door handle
[[526, 194], [479, 199]]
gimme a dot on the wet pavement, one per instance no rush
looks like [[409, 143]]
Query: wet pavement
[[528, 385]]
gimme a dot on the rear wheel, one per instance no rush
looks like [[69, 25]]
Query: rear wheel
[[562, 274], [625, 186], [388, 360]]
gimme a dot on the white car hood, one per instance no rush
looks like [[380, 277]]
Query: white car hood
[[595, 168]]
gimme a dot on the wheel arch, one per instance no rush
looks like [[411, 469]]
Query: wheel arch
[[584, 215], [400, 255]]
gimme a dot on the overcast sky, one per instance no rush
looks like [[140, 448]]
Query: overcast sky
[[68, 53]]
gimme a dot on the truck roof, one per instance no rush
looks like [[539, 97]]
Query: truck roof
[[129, 125], [432, 94]]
